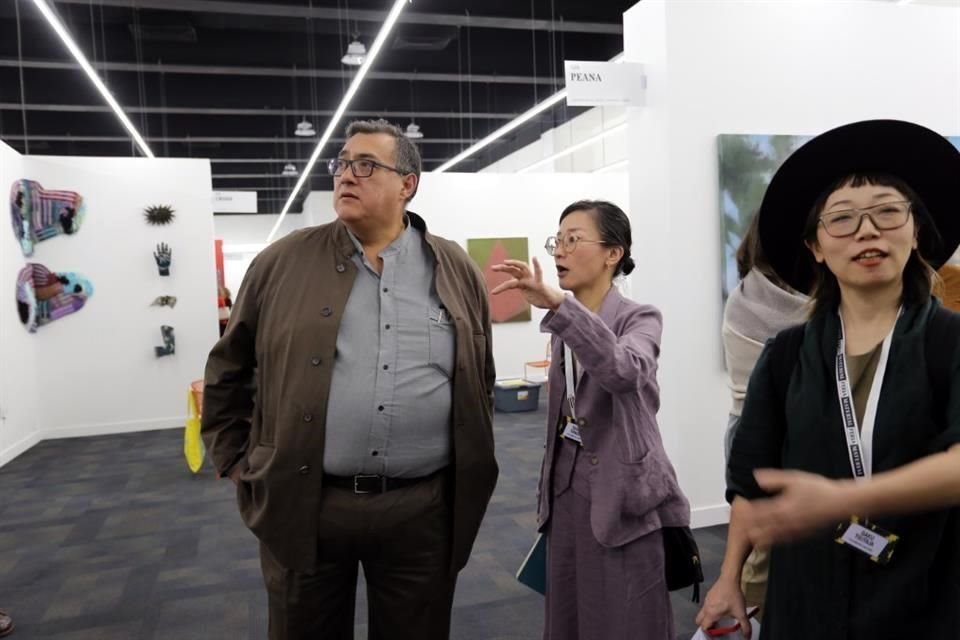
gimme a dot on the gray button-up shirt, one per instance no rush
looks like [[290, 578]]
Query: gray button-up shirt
[[391, 394]]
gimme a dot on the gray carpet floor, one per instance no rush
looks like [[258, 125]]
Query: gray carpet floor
[[112, 538]]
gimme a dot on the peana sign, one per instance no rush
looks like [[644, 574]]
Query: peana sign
[[599, 84]]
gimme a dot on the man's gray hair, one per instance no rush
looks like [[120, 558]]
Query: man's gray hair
[[408, 156]]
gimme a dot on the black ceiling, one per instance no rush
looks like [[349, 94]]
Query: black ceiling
[[229, 80]]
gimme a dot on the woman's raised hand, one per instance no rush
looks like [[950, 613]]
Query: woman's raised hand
[[529, 283]]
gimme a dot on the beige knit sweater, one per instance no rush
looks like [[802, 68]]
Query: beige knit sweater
[[756, 311]]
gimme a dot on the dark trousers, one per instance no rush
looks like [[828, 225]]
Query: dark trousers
[[402, 540]]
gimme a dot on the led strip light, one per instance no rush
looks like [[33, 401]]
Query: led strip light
[[510, 126], [575, 147], [372, 54], [71, 45]]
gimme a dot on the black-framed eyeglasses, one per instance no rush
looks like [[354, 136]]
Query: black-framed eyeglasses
[[884, 217], [361, 168], [569, 243]]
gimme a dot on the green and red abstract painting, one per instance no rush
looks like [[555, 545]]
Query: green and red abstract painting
[[487, 252]]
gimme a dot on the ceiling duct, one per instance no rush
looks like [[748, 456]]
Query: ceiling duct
[[180, 33], [424, 42]]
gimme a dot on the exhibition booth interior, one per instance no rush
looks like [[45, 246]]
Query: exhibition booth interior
[[111, 273]]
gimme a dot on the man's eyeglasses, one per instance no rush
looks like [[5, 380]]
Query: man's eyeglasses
[[362, 168], [569, 243], [885, 217]]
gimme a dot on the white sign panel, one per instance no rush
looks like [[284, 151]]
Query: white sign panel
[[235, 202], [602, 84]]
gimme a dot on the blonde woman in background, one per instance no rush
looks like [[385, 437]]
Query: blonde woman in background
[[759, 307]]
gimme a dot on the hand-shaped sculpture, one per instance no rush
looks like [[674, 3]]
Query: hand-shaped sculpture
[[164, 256]]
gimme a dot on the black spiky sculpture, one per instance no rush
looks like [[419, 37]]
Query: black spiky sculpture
[[159, 215]]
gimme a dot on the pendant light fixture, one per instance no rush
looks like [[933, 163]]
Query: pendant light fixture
[[413, 129], [289, 171], [356, 53], [304, 129]]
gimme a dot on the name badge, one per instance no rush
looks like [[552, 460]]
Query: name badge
[[572, 432], [868, 539]]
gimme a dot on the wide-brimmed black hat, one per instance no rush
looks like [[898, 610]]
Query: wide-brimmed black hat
[[922, 158]]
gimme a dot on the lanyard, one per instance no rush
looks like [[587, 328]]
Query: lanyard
[[860, 443], [571, 383]]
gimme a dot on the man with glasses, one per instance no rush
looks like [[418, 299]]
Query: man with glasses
[[369, 439]]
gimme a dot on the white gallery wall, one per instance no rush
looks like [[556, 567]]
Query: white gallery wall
[[18, 377], [318, 208], [244, 236], [608, 151], [253, 228], [719, 66], [95, 370], [459, 206]]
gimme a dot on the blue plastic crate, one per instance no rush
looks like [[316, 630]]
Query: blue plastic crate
[[515, 395]]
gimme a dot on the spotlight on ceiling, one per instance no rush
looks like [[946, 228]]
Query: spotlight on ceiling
[[304, 129], [289, 171], [355, 55], [413, 131]]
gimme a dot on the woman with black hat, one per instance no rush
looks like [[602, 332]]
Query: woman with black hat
[[847, 454]]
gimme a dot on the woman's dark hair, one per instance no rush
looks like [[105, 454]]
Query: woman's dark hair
[[614, 228], [750, 255], [918, 275]]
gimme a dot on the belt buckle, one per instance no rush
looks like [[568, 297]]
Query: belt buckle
[[358, 478]]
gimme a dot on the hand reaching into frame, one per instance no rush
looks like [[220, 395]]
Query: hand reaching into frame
[[804, 503], [529, 283]]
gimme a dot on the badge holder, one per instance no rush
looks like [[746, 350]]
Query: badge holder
[[867, 538], [571, 428]]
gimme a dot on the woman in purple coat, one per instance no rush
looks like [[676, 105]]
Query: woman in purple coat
[[606, 485]]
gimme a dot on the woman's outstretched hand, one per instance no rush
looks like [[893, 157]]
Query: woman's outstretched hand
[[725, 600], [530, 284]]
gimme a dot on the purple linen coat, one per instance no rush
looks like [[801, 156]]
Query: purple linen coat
[[633, 486]]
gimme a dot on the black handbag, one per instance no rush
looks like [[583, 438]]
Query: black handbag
[[682, 560]]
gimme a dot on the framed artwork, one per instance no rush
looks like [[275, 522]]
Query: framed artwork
[[487, 252]]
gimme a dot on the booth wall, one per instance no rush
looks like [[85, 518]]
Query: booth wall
[[96, 372], [459, 206], [18, 373]]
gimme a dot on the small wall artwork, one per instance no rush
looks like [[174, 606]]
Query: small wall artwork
[[39, 214], [44, 296], [159, 215], [163, 257], [487, 252], [747, 164], [164, 301], [169, 342]]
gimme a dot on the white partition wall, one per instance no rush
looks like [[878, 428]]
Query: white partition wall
[[459, 206], [95, 371], [244, 236], [718, 66], [318, 208], [18, 378], [246, 229]]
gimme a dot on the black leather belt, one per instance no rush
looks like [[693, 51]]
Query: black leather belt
[[372, 484]]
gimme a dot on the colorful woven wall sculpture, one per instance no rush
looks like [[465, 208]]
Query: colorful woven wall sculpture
[[44, 296], [39, 214]]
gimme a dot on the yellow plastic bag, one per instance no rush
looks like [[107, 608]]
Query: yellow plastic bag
[[193, 448]]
